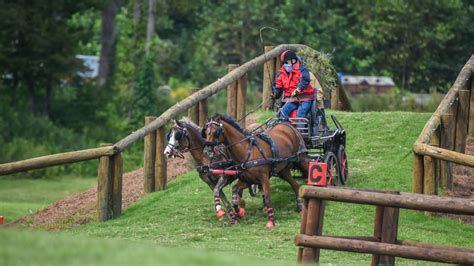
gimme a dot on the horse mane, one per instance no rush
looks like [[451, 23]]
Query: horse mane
[[190, 123], [230, 120]]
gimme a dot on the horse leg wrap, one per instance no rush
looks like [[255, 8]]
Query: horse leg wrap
[[271, 219], [219, 211], [235, 201], [233, 215]]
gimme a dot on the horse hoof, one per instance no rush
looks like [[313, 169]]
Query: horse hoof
[[241, 213], [220, 215], [235, 222], [270, 224], [264, 210]]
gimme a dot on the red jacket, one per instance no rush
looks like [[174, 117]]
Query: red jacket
[[297, 78]]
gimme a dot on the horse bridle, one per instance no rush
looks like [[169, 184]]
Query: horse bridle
[[217, 134], [175, 148]]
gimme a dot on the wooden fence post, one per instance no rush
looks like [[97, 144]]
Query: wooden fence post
[[203, 112], [160, 163], [335, 99], [435, 141], [304, 216], [429, 185], [118, 181], [471, 108], [447, 129], [378, 221], [314, 225], [149, 158], [418, 173], [268, 77], [462, 121], [232, 94], [389, 231], [241, 99], [105, 180], [193, 112]]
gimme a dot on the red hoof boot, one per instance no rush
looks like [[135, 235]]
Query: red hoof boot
[[270, 224], [220, 215], [234, 222], [241, 213]]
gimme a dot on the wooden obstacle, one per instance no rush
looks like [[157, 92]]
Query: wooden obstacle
[[384, 245], [110, 161], [443, 139]]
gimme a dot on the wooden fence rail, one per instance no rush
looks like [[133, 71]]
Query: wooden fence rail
[[55, 159], [384, 245]]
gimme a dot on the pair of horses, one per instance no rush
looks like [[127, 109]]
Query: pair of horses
[[253, 159]]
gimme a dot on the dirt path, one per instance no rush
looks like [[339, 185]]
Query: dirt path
[[80, 208]]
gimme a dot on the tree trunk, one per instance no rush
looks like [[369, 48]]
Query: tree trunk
[[137, 11], [108, 38], [33, 101], [150, 29]]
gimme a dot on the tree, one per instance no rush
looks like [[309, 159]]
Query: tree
[[37, 48], [108, 41]]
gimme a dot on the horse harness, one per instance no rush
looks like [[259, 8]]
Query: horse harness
[[231, 167]]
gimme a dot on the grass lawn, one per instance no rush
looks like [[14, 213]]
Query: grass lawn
[[19, 197], [180, 221]]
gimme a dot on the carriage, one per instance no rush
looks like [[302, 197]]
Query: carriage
[[325, 146]]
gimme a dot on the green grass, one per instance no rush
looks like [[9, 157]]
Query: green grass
[[19, 197], [182, 217], [39, 248]]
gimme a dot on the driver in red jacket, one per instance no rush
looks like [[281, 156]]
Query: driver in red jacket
[[293, 81]]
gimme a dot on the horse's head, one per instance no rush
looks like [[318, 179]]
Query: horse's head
[[178, 140], [213, 133]]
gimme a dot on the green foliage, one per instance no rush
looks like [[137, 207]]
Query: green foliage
[[320, 65]]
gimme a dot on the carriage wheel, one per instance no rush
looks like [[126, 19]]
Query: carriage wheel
[[344, 165], [332, 172]]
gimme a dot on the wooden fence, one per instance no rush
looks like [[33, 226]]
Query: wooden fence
[[109, 184], [384, 245], [443, 139]]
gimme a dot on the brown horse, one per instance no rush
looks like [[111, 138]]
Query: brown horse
[[185, 136], [254, 155]]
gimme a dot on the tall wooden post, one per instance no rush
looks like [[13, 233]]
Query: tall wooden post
[[149, 158], [105, 180], [117, 186], [268, 77], [335, 99], [418, 173], [429, 186], [193, 112], [241, 99], [435, 141], [160, 163], [203, 112], [232, 94], [471, 108], [447, 129], [462, 121]]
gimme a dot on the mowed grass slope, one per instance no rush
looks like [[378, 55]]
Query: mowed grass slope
[[182, 218], [19, 197]]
